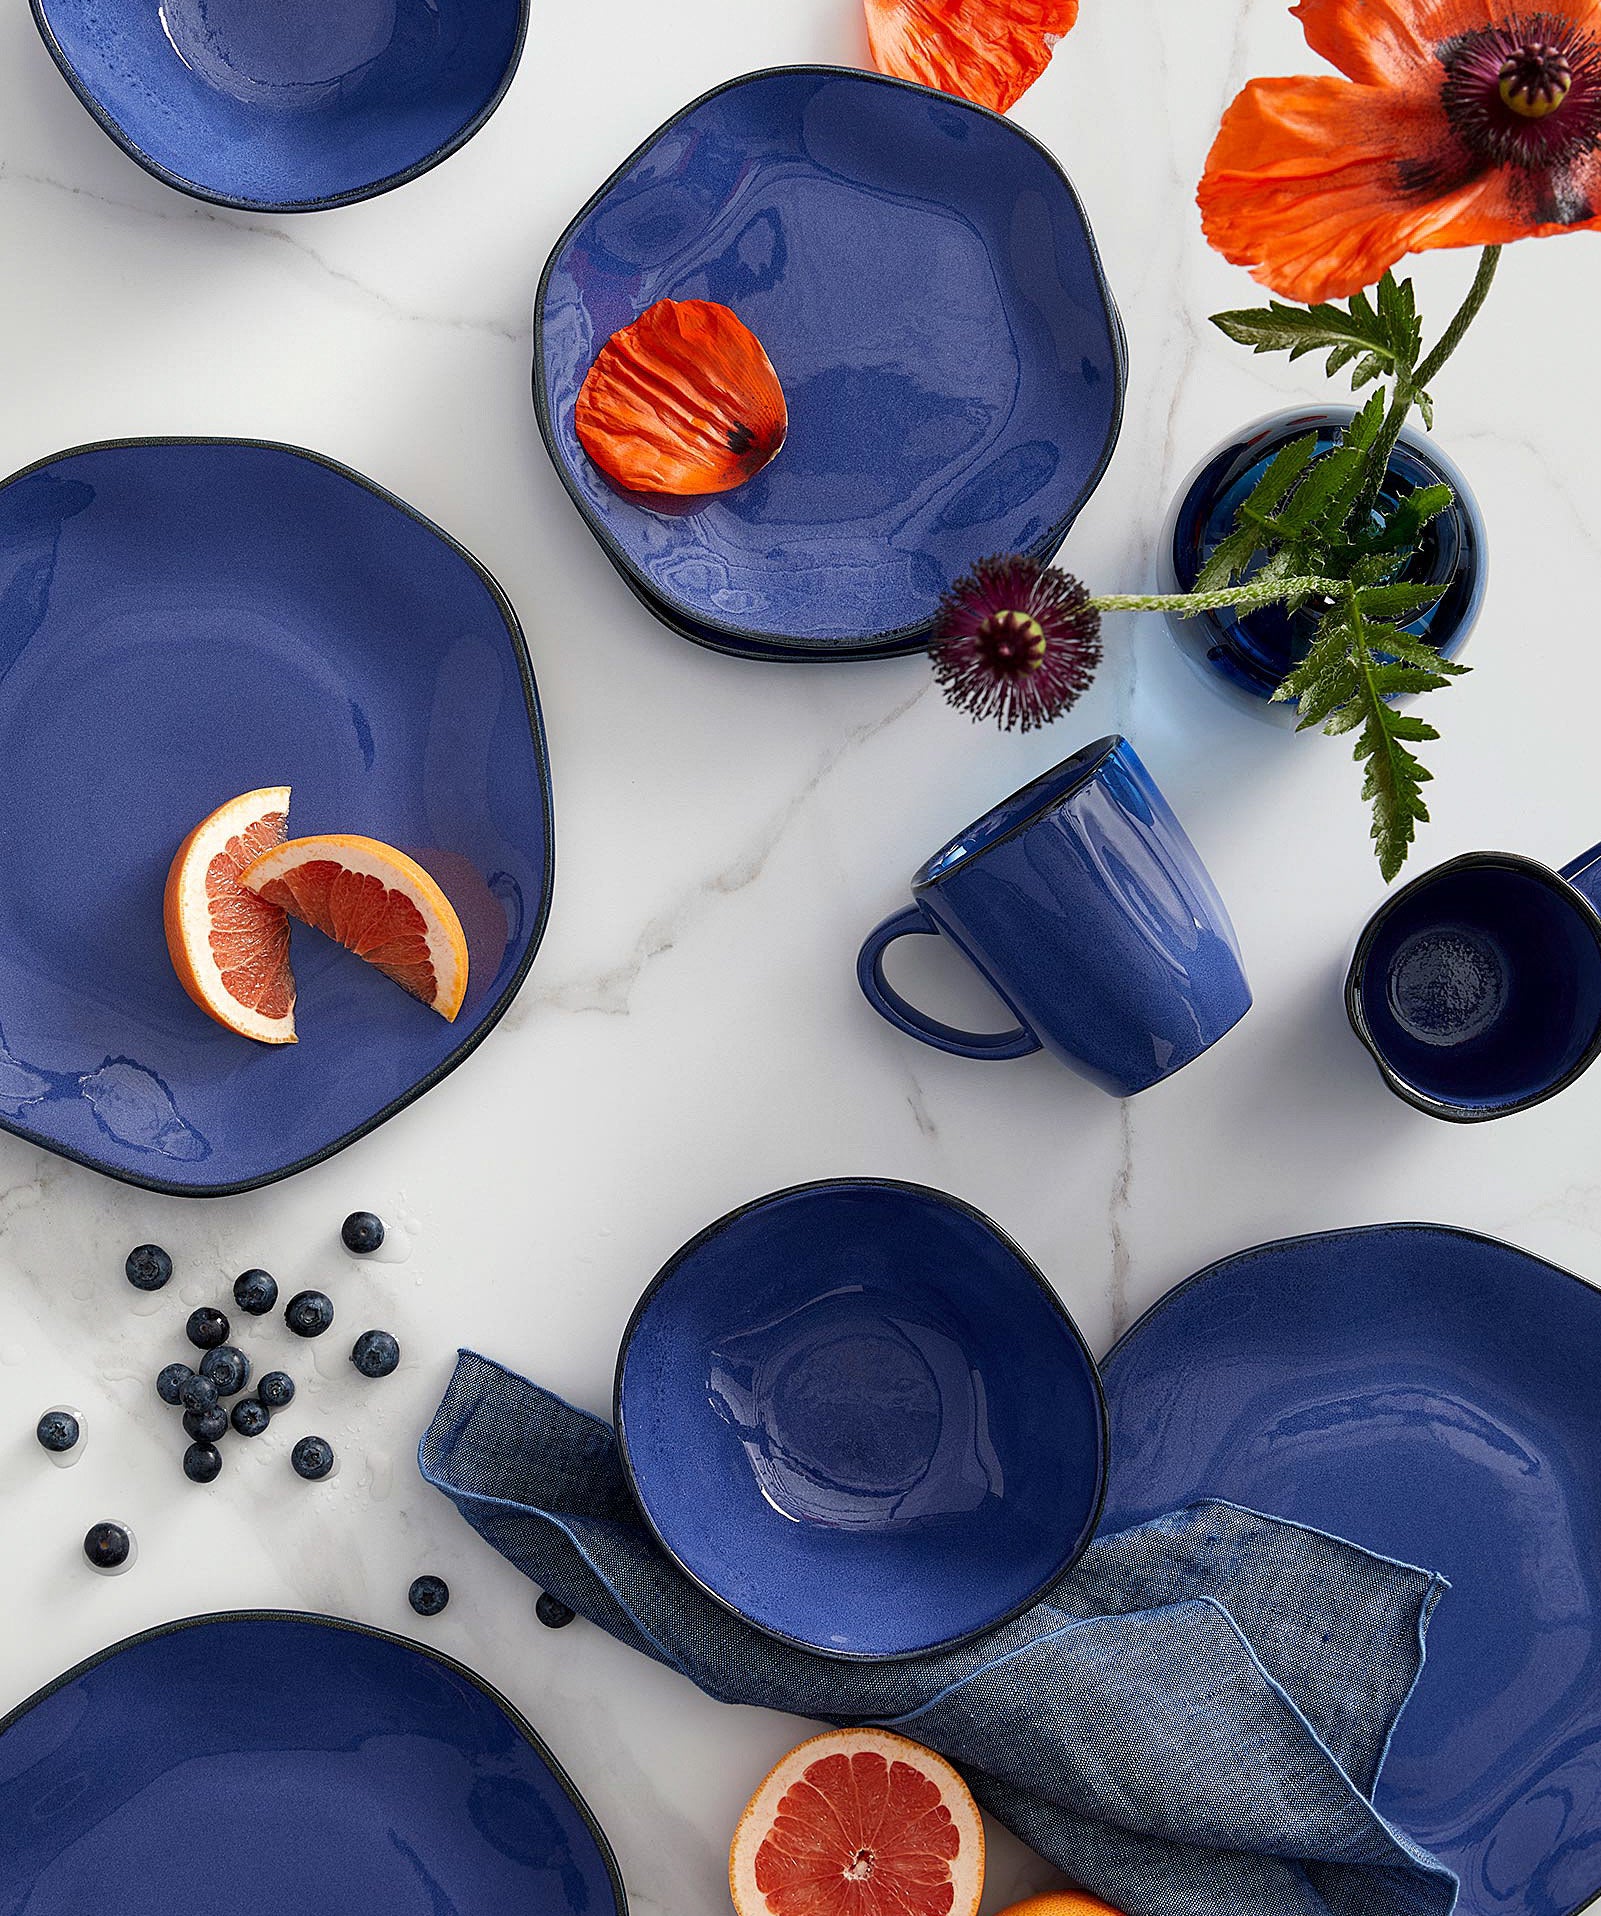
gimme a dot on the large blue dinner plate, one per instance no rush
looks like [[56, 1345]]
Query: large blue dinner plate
[[1435, 1396], [184, 620], [286, 105], [291, 1765], [927, 287], [856, 1414]]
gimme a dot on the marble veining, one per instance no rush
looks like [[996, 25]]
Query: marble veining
[[554, 1173]]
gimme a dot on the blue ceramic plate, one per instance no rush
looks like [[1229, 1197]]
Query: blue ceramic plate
[[926, 284], [184, 620], [857, 1415], [1434, 1396], [292, 1765], [289, 105]]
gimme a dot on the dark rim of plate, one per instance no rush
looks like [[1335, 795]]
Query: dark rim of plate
[[112, 128], [1357, 1013], [1025, 1264], [766, 647], [536, 728], [1148, 1316], [312, 1619]]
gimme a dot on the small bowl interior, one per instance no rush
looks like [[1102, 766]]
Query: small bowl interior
[[286, 102], [1482, 988], [856, 1415], [828, 209]]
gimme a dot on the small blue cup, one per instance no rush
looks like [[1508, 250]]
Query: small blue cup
[[1477, 988], [1085, 907]]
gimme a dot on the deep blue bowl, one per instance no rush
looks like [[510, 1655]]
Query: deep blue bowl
[[857, 1415], [1431, 1395], [184, 620], [289, 106], [288, 1763], [926, 284]]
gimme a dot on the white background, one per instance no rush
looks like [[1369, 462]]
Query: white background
[[691, 1034]]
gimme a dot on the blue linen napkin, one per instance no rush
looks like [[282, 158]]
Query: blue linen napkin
[[1190, 1722]]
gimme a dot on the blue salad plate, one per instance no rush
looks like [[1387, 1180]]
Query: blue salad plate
[[926, 285], [294, 1765], [1432, 1395], [185, 620], [286, 106], [858, 1416]]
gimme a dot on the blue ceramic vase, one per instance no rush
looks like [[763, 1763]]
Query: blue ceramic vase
[[1252, 653]]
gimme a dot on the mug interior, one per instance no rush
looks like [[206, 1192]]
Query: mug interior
[[1021, 809], [1480, 987]]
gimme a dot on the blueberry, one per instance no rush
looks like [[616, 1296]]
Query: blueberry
[[250, 1417], [276, 1389], [202, 1463], [552, 1612], [148, 1267], [362, 1232], [108, 1546], [197, 1393], [206, 1426], [313, 1458], [228, 1368], [170, 1383], [255, 1292], [58, 1431], [206, 1328], [428, 1596], [375, 1354], [309, 1313]]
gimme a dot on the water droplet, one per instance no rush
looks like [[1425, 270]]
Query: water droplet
[[82, 1288]]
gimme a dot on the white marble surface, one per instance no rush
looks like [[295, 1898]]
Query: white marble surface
[[691, 1034]]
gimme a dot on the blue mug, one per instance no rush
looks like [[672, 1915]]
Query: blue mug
[[1088, 912], [1477, 988]]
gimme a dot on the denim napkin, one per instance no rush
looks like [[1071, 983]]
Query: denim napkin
[[1190, 1722]]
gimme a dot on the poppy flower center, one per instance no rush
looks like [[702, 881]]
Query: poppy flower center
[[1525, 94], [1011, 643]]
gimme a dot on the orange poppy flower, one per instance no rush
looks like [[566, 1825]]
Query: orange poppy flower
[[684, 401], [987, 51], [1461, 123]]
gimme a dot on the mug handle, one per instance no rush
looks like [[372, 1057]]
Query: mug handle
[[889, 1003], [1584, 875]]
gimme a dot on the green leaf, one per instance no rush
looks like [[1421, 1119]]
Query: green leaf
[[1325, 481], [1381, 338], [1403, 602], [1229, 559]]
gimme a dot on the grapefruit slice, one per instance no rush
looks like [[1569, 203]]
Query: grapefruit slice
[[859, 1823], [375, 901], [230, 948], [1061, 1902]]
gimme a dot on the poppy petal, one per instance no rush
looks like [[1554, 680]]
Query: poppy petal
[[1384, 40], [1303, 183], [685, 401], [987, 51]]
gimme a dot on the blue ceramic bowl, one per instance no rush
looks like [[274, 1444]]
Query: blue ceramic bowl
[[292, 1764], [856, 1414], [184, 620], [926, 284], [288, 106], [1429, 1394]]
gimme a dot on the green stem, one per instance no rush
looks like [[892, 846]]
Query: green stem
[[1466, 313], [1247, 596]]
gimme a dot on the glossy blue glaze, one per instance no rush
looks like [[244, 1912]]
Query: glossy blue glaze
[[287, 105], [1086, 908], [288, 1764], [856, 1414], [826, 207], [181, 621], [1431, 1395], [1254, 652], [1477, 987]]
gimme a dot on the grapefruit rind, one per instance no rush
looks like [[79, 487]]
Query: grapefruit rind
[[186, 914], [275, 870], [1061, 1902], [762, 1811]]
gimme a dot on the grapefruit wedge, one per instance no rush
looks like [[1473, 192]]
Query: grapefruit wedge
[[230, 948], [1061, 1902], [375, 901], [859, 1823]]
